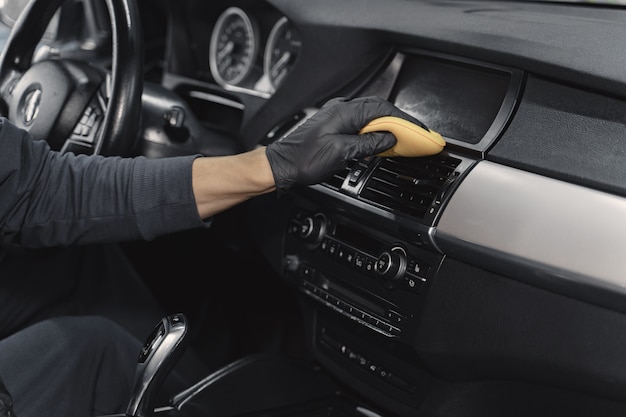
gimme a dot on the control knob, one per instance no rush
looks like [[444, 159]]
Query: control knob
[[313, 228], [391, 264]]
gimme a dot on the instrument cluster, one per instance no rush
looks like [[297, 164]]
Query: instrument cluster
[[248, 55]]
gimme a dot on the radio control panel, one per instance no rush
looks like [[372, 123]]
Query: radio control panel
[[376, 281]]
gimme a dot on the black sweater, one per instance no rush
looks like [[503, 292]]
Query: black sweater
[[51, 199]]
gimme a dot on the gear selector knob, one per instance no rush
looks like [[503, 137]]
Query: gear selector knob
[[162, 349]]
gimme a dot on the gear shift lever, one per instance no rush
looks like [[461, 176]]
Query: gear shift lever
[[158, 355]]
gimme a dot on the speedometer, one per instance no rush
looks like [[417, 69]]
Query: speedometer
[[282, 48], [233, 47]]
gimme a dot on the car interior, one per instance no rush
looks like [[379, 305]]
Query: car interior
[[485, 280]]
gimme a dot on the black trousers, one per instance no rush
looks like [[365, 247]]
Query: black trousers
[[72, 322], [87, 280], [69, 366]]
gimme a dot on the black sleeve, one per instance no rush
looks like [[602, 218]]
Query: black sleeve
[[53, 199], [6, 403]]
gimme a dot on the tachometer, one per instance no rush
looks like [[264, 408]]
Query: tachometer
[[282, 48], [233, 47]]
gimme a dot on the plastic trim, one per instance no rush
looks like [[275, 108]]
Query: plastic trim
[[562, 234]]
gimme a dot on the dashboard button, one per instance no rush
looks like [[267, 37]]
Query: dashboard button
[[341, 253], [395, 318], [413, 283], [418, 268], [350, 256], [359, 262], [332, 248]]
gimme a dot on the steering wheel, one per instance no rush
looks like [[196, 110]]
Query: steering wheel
[[73, 105]]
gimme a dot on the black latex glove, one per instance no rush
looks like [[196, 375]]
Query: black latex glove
[[327, 141]]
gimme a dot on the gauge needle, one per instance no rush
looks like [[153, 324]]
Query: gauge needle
[[284, 59], [227, 49]]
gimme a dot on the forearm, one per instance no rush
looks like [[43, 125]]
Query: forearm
[[49, 199], [224, 181]]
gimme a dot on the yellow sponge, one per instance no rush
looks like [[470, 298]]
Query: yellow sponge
[[412, 139]]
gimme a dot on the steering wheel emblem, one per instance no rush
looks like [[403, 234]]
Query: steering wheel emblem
[[31, 106]]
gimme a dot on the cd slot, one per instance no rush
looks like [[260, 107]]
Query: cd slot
[[380, 316], [356, 300]]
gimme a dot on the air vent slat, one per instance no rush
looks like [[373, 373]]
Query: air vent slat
[[408, 185], [336, 181], [411, 204], [384, 188]]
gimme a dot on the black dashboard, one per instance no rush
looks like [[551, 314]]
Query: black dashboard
[[494, 268]]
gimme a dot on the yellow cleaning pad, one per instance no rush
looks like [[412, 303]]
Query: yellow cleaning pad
[[412, 140]]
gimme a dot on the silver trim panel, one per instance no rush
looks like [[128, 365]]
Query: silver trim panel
[[563, 230]]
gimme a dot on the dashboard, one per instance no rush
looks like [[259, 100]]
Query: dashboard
[[491, 271]]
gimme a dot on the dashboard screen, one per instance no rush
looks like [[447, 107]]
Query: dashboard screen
[[458, 100]]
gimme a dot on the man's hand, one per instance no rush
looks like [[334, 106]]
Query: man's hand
[[326, 142]]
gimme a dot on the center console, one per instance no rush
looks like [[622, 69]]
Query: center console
[[360, 247]]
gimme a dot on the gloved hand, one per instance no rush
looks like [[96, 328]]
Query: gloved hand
[[326, 142]]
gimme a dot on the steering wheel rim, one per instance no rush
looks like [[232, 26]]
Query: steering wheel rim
[[116, 132]]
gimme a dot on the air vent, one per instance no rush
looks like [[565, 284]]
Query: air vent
[[336, 181], [411, 186]]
